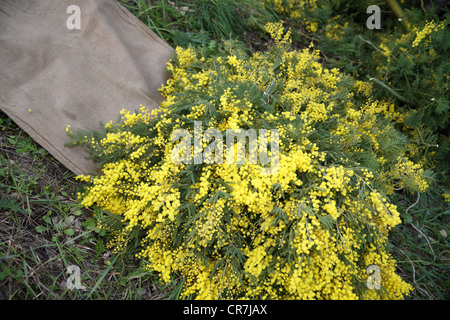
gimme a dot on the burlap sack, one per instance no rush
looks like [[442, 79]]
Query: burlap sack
[[53, 74]]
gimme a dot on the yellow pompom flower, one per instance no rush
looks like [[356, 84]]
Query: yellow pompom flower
[[307, 230]]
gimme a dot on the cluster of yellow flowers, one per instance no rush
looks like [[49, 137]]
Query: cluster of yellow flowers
[[430, 27], [335, 30], [446, 196], [308, 231], [408, 173], [296, 9]]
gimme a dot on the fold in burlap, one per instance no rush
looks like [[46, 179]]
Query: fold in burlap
[[53, 76]]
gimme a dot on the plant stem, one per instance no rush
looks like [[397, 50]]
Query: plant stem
[[398, 96], [398, 12]]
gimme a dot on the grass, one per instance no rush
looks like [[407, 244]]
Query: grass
[[204, 21], [43, 230], [421, 247]]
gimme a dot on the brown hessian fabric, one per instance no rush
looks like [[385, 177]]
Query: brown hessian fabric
[[75, 62]]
